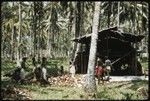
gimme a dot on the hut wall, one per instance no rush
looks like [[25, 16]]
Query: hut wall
[[134, 63], [117, 50]]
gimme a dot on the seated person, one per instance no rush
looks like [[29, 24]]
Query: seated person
[[18, 74]]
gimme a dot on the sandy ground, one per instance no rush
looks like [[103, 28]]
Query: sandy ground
[[128, 78]]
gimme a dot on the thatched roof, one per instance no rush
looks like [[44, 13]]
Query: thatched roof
[[113, 33]]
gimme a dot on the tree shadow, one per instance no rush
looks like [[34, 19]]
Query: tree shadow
[[128, 96], [53, 71], [137, 84], [53, 89], [11, 91], [121, 85], [103, 95]]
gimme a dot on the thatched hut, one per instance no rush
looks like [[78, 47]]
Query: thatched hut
[[117, 45]]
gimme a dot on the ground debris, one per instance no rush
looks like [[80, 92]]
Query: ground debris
[[143, 91], [67, 80], [65, 96], [13, 93]]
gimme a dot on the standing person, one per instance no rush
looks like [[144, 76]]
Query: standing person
[[108, 67], [33, 61], [44, 62], [99, 70], [70, 64], [61, 70], [23, 62], [23, 69], [72, 70], [44, 71]]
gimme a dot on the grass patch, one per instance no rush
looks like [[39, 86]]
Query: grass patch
[[121, 90], [137, 84], [109, 91], [53, 65]]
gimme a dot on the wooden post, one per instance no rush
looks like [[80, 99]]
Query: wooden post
[[83, 62], [135, 56], [82, 68], [134, 63]]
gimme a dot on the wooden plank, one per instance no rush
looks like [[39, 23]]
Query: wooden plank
[[83, 63], [135, 62]]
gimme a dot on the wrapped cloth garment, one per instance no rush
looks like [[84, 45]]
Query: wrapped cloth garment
[[99, 70], [44, 72], [22, 74], [72, 70], [108, 68]]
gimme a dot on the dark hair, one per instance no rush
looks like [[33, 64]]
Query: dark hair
[[103, 66], [43, 58], [98, 59], [61, 67], [106, 57], [99, 62], [71, 59], [24, 58], [70, 62]]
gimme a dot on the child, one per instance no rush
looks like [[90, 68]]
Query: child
[[99, 70], [72, 70], [61, 70], [108, 66]]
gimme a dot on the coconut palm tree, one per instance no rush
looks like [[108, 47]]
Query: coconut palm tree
[[90, 82]]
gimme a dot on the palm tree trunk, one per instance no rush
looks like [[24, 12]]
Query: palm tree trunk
[[40, 7], [12, 39], [70, 24], [82, 15], [12, 42], [48, 36], [118, 22], [77, 29], [111, 19], [34, 29], [47, 45], [19, 34], [109, 13], [2, 44], [135, 30], [90, 86], [30, 31], [142, 30]]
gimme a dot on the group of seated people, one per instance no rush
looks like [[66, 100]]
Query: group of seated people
[[40, 71], [20, 72]]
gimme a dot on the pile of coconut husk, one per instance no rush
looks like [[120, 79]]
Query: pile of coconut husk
[[13, 93], [67, 80]]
